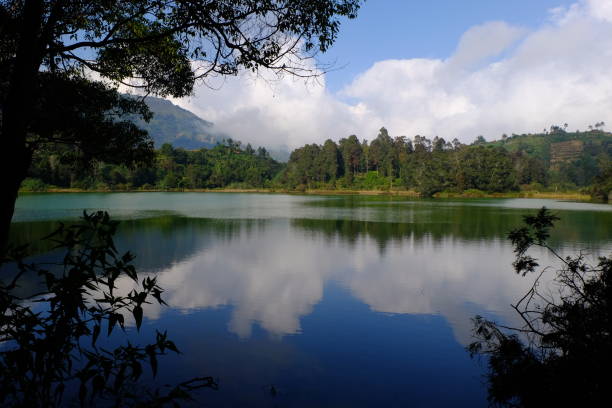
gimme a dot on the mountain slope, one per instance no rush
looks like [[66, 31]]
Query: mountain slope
[[559, 146], [179, 127], [182, 128]]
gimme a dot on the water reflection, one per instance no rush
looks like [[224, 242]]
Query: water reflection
[[352, 301], [273, 272], [453, 262]]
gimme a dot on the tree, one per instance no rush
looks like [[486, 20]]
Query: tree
[[352, 153], [480, 140], [528, 169], [330, 160], [157, 46], [421, 144], [438, 144], [381, 153], [563, 350], [431, 172], [602, 185]]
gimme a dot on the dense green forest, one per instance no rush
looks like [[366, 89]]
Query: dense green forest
[[227, 164], [553, 161], [557, 160]]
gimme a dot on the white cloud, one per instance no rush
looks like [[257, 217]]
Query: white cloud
[[484, 41], [501, 79], [601, 9], [289, 111]]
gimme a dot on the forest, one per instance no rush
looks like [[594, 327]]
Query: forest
[[553, 161], [430, 166], [226, 164]]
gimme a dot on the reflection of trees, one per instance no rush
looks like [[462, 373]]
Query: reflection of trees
[[456, 222], [587, 229], [159, 242], [163, 241]]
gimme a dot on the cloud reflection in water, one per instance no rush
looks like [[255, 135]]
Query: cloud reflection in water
[[276, 275]]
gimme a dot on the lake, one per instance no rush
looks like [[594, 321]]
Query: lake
[[330, 301]]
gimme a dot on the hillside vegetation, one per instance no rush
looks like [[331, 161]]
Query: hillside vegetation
[[226, 164], [177, 126], [554, 162]]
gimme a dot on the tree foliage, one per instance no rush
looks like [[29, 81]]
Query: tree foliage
[[602, 186], [90, 119], [224, 165], [50, 49], [429, 166], [563, 350], [50, 353], [157, 42]]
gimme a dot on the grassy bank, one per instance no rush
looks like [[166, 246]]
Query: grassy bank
[[560, 195], [404, 193]]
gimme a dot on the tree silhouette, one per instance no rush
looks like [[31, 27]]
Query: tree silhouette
[[563, 350], [50, 355]]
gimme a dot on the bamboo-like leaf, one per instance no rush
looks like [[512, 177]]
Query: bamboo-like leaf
[[95, 334], [137, 312]]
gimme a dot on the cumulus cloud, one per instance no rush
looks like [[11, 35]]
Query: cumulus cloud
[[482, 42], [500, 79], [601, 9], [275, 112]]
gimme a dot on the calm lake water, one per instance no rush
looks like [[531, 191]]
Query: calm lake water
[[333, 301]]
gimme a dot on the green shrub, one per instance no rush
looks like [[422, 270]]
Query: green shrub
[[33, 184], [473, 193]]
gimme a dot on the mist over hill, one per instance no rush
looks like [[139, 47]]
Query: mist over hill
[[182, 128], [179, 127]]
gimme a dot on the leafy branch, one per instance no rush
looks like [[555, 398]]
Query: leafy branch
[[49, 342], [557, 356]]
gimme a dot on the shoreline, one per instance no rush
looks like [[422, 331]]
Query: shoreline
[[396, 193]]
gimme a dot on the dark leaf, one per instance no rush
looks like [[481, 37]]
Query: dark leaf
[[138, 316]]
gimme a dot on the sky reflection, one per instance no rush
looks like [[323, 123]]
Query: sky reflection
[[276, 277], [351, 301]]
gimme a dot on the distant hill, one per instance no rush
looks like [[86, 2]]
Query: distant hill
[[182, 128], [179, 127], [559, 147]]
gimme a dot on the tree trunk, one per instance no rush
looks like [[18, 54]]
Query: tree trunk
[[14, 164], [15, 155]]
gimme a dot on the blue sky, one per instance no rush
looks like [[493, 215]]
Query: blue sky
[[399, 29], [447, 68]]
